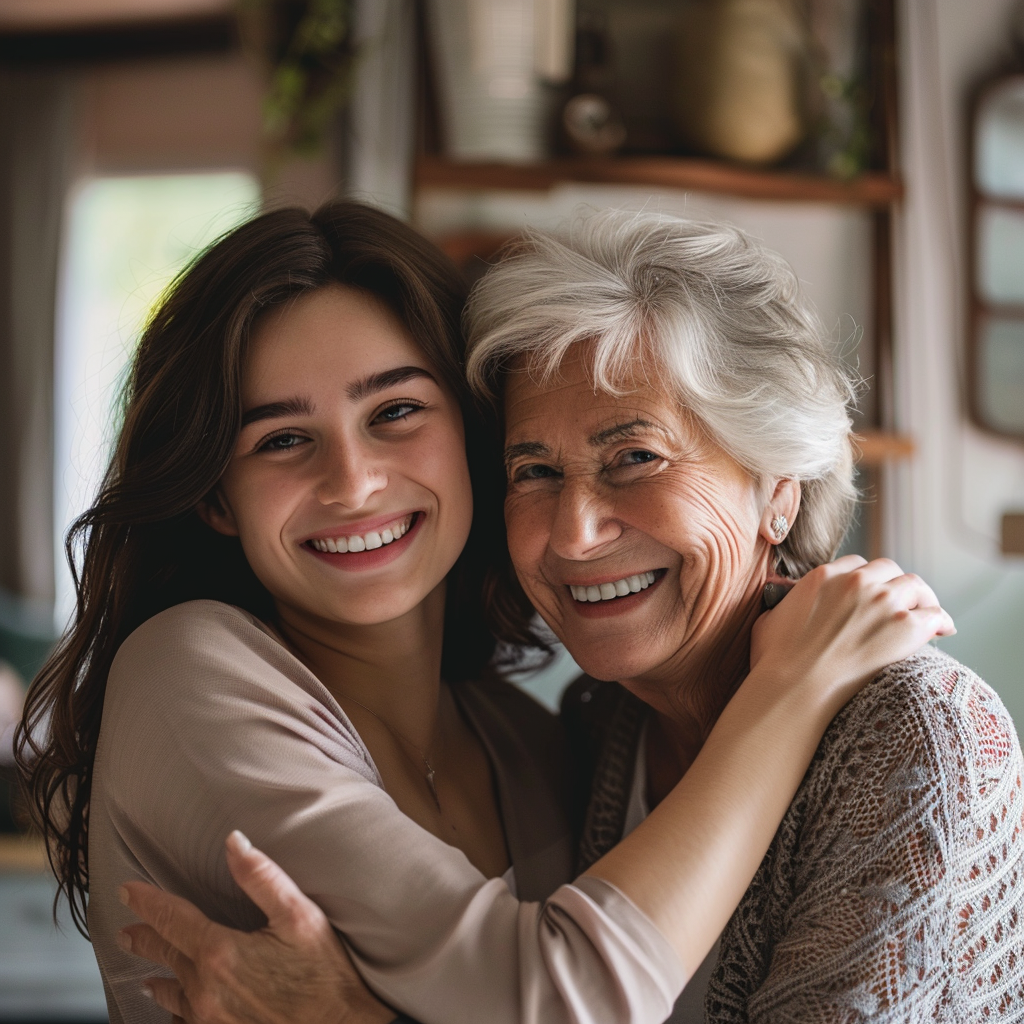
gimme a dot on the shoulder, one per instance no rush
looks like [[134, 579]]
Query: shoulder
[[191, 643], [194, 626], [927, 732], [933, 700], [203, 667]]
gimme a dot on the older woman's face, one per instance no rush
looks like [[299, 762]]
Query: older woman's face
[[635, 537]]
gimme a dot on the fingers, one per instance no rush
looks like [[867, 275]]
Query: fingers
[[909, 592], [269, 887], [168, 993], [142, 940], [173, 918]]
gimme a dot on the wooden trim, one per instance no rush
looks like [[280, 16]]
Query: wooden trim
[[23, 853], [876, 447], [882, 306], [873, 190], [100, 44]]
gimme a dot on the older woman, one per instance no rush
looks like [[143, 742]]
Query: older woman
[[677, 438]]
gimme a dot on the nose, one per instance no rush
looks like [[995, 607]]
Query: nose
[[584, 520], [349, 475]]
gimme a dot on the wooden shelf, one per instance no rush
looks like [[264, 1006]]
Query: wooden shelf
[[877, 447], [23, 853], [872, 190]]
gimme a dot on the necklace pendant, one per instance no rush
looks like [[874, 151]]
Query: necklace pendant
[[430, 784]]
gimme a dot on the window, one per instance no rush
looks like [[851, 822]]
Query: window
[[126, 239]]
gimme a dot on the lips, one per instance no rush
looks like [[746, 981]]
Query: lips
[[359, 552]]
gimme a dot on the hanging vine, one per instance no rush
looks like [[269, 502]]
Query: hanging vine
[[308, 45]]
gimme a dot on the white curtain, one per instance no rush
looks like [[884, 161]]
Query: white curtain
[[382, 116], [36, 144]]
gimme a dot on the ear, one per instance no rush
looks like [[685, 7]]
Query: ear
[[780, 512], [217, 514]]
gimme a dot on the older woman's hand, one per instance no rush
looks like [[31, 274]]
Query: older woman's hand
[[293, 970], [845, 621]]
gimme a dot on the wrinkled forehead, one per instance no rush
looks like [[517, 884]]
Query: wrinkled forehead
[[578, 366], [572, 395]]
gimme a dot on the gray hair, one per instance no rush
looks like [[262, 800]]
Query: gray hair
[[702, 308]]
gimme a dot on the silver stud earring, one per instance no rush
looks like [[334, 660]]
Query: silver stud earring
[[780, 526]]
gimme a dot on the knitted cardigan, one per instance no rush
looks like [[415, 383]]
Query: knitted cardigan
[[894, 888]]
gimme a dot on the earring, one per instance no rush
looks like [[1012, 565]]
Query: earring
[[780, 526]]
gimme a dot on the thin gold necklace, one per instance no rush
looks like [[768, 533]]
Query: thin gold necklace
[[429, 779]]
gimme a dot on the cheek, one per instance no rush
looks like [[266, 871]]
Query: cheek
[[440, 464], [527, 535], [709, 518]]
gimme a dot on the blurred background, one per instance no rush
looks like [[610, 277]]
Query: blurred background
[[878, 144]]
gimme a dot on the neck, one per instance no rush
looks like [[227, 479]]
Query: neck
[[391, 669], [689, 695]]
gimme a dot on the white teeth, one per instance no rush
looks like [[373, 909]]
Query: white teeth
[[609, 591], [369, 541]]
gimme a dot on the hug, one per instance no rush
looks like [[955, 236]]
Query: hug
[[346, 500]]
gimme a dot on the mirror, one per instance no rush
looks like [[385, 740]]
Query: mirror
[[997, 279]]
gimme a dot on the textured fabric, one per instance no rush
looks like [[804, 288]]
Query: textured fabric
[[894, 888], [209, 724]]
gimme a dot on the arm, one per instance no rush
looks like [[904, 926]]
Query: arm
[[839, 619]]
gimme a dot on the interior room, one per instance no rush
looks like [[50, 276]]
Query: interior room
[[878, 145]]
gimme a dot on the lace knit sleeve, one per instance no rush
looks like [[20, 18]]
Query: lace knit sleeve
[[894, 890]]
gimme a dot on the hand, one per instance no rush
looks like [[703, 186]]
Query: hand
[[843, 622], [293, 970]]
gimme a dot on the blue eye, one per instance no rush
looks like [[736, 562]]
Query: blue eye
[[282, 442], [396, 412], [537, 471], [638, 457]]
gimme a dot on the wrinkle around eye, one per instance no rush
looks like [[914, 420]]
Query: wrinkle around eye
[[533, 472]]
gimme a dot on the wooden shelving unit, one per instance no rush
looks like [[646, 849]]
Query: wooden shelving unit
[[877, 447], [873, 190], [877, 192]]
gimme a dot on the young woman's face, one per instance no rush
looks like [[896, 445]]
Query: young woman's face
[[349, 487]]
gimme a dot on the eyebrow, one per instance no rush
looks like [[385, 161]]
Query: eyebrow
[[369, 385], [272, 410], [525, 449], [621, 431], [374, 382]]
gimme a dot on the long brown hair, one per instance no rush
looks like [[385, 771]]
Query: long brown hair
[[142, 547]]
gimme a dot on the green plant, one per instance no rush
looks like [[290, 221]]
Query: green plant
[[312, 58]]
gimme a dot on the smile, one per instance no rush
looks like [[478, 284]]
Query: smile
[[610, 591], [369, 541]]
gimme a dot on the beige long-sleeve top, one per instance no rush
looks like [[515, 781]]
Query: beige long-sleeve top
[[210, 724]]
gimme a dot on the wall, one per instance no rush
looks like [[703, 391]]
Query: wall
[[949, 500]]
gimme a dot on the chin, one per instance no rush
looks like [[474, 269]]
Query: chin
[[612, 665]]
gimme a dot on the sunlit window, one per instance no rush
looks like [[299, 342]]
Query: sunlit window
[[126, 238]]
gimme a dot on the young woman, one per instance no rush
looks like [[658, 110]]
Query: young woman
[[279, 630]]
